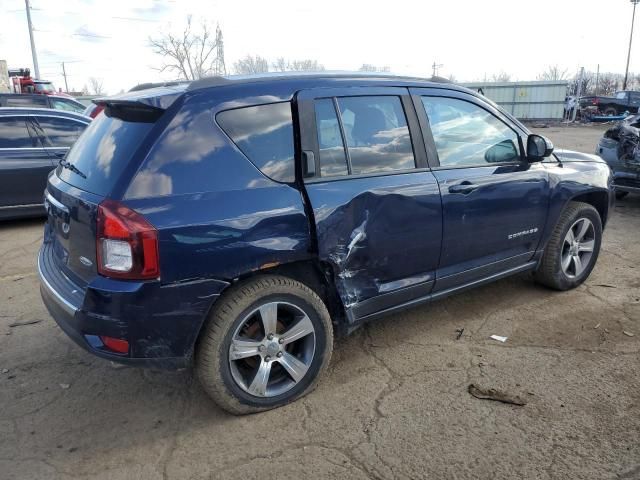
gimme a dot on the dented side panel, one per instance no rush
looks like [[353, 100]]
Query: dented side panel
[[380, 234]]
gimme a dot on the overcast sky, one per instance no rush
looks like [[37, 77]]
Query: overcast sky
[[470, 38]]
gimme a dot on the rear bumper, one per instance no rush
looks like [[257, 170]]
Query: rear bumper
[[161, 323]]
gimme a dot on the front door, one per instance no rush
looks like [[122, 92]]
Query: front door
[[494, 202], [376, 206]]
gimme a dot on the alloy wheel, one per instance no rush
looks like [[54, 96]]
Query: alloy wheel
[[272, 349], [577, 248]]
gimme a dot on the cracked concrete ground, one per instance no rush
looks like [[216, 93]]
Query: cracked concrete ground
[[394, 403]]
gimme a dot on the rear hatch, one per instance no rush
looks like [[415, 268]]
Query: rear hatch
[[105, 156]]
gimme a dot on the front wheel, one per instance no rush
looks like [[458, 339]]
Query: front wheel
[[266, 343], [573, 248]]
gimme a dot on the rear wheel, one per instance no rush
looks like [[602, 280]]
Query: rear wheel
[[266, 343], [610, 111], [573, 248]]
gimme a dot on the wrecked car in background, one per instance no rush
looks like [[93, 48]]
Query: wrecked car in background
[[620, 148], [238, 224]]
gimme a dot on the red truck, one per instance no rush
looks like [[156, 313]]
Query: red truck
[[22, 82]]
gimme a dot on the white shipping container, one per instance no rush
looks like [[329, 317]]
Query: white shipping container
[[536, 100]]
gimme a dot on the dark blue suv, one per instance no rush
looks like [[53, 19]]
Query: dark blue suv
[[239, 224]]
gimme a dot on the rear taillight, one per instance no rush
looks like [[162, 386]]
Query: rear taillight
[[126, 244], [96, 111], [596, 101]]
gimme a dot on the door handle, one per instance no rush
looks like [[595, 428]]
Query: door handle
[[464, 188]]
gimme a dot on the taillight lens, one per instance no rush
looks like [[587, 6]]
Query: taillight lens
[[96, 111], [127, 245]]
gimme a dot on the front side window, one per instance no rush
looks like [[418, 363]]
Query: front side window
[[377, 134], [61, 104], [264, 133], [14, 134], [467, 135], [27, 101], [60, 132]]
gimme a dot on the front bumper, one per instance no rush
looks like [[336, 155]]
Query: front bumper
[[160, 322]]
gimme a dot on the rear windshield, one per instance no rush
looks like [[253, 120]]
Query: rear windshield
[[102, 153]]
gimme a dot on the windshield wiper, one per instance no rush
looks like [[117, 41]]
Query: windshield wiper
[[64, 164]]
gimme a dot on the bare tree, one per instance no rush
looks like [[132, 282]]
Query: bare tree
[[501, 77], [367, 67], [250, 65], [553, 72], [193, 54], [281, 64], [609, 83], [95, 86]]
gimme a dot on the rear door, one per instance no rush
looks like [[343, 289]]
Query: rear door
[[24, 163], [376, 205], [494, 202]]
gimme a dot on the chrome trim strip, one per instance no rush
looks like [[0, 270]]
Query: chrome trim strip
[[63, 303], [36, 149], [28, 205], [56, 203]]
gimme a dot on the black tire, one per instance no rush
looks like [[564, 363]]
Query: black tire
[[550, 272], [620, 194], [213, 357], [610, 111]]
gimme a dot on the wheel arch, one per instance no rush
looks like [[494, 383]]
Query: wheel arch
[[598, 199]]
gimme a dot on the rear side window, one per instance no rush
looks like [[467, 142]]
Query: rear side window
[[14, 133], [102, 153], [264, 133], [377, 134], [60, 132], [333, 160]]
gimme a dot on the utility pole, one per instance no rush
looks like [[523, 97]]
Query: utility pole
[[64, 74], [436, 66], [633, 20], [597, 79], [34, 55], [578, 94]]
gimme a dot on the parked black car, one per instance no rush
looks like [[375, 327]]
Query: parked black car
[[623, 101], [237, 224], [620, 148], [32, 142], [40, 101]]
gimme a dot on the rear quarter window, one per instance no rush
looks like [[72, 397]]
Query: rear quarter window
[[264, 133]]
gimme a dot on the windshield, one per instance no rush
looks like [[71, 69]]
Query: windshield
[[44, 87], [102, 153]]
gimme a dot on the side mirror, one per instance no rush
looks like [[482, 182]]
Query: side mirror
[[538, 148]]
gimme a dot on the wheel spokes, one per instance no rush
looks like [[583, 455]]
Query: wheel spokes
[[293, 366], [587, 246], [269, 317], [583, 228], [300, 329], [570, 237], [259, 383], [244, 349], [577, 264], [566, 261]]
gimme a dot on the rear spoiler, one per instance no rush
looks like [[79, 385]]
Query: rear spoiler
[[141, 106], [157, 98]]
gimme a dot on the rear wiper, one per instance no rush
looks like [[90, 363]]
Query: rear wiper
[[64, 164]]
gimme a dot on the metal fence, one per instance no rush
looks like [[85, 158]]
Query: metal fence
[[543, 100]]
